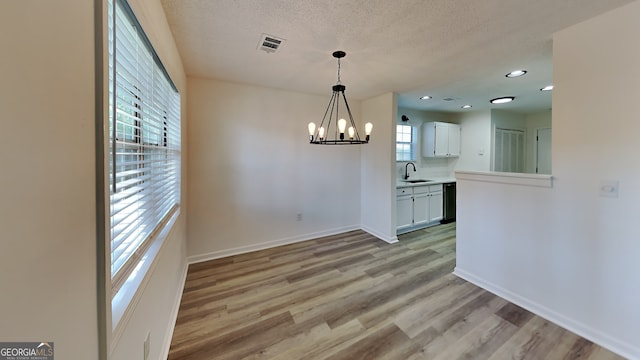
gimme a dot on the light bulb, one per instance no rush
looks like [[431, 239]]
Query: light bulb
[[367, 130], [312, 128], [352, 131], [342, 124], [321, 132]]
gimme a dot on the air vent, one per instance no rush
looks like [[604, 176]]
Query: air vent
[[270, 43]]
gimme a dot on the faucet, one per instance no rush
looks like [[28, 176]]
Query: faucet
[[406, 169]]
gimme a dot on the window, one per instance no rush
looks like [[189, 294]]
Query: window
[[144, 143], [406, 139]]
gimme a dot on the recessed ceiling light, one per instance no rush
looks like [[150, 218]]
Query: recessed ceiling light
[[547, 88], [516, 73], [466, 106], [502, 100], [426, 97]]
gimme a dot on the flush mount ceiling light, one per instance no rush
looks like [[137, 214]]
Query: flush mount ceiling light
[[466, 106], [426, 97], [325, 134], [502, 100], [516, 73], [547, 88]]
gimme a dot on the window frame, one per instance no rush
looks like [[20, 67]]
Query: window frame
[[413, 144], [155, 158]]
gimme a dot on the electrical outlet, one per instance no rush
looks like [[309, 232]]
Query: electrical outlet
[[609, 188], [147, 341]]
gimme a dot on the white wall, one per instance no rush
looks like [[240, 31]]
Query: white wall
[[156, 308], [565, 252], [475, 141], [252, 170], [377, 165], [47, 211]]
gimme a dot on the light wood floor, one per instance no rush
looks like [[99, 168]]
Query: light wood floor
[[351, 296]]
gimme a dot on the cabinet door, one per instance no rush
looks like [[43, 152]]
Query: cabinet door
[[435, 206], [420, 209], [454, 140], [404, 208], [441, 146]]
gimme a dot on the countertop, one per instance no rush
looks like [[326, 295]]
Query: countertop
[[435, 181]]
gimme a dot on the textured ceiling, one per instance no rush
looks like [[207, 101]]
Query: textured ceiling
[[458, 49]]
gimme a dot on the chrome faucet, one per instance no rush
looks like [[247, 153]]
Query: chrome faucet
[[406, 169]]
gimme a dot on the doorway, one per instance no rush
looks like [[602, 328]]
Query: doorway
[[543, 151]]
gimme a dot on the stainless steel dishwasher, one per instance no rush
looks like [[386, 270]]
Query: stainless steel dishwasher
[[449, 203]]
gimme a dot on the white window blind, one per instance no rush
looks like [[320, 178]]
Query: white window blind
[[406, 139], [144, 142]]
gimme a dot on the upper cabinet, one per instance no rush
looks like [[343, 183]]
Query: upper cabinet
[[440, 139]]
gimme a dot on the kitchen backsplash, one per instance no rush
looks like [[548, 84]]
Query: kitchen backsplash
[[428, 167]]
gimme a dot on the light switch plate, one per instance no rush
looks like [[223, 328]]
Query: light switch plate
[[609, 188]]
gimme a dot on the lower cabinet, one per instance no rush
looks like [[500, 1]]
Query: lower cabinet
[[418, 206]]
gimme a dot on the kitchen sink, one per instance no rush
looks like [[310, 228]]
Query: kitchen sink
[[413, 181]]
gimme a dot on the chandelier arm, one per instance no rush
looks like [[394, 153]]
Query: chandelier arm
[[337, 106], [324, 118], [334, 99], [353, 124]]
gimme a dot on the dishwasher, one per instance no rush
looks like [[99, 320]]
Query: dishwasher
[[449, 203]]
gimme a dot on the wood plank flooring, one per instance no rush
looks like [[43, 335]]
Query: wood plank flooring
[[352, 296]]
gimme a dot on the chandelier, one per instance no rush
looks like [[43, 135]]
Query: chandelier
[[333, 128]]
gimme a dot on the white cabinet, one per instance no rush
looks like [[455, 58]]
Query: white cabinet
[[440, 139], [404, 208], [418, 206], [436, 205]]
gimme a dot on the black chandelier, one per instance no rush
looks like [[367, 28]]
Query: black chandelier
[[339, 134]]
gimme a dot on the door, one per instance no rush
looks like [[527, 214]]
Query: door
[[508, 150], [454, 140], [543, 151], [420, 208], [435, 206], [404, 208], [441, 147]]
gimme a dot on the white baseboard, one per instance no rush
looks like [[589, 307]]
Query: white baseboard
[[268, 244], [623, 349], [385, 238], [174, 314]]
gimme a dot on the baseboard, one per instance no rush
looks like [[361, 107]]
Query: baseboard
[[625, 350], [174, 314], [385, 238], [268, 244]]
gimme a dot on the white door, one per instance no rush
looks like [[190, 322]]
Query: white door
[[404, 209], [543, 151], [420, 208], [435, 206], [508, 150], [441, 147], [454, 140]]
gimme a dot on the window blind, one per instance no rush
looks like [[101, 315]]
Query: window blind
[[144, 143], [405, 143]]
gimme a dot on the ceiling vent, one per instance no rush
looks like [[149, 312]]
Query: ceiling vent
[[269, 43]]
